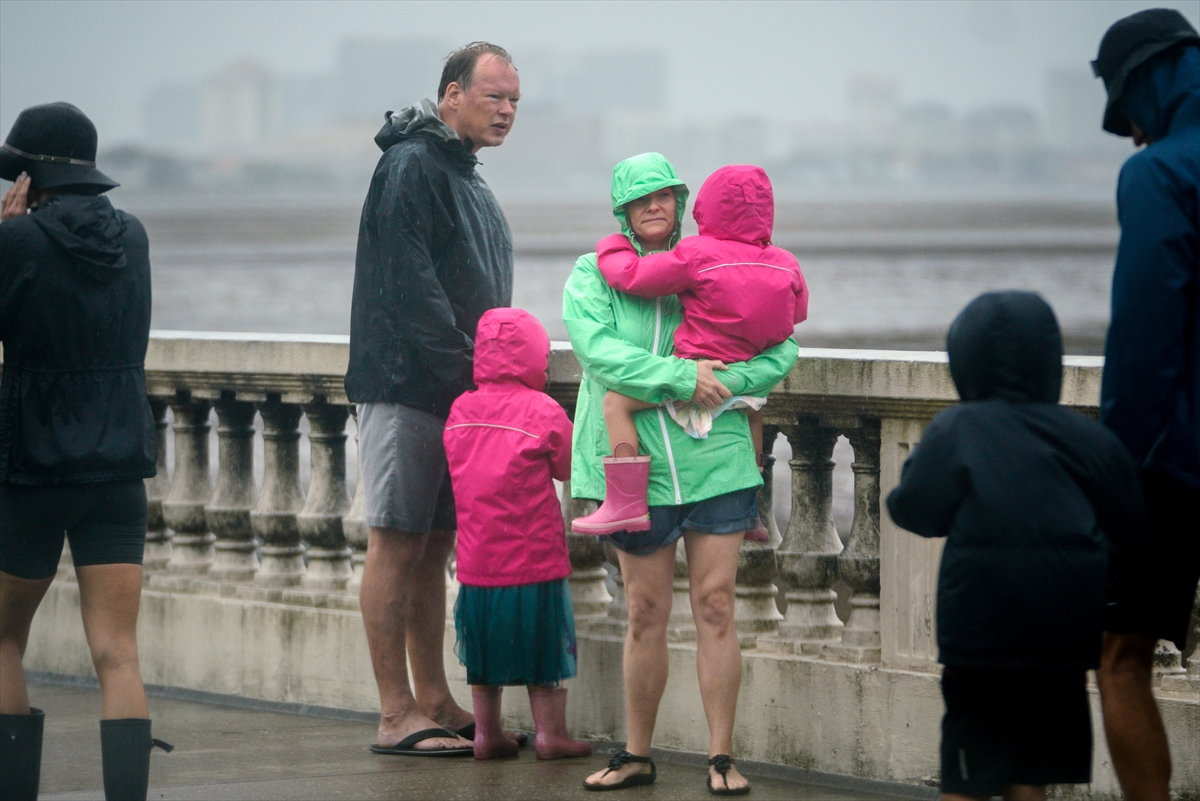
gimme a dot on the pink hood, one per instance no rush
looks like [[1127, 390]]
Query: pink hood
[[506, 442], [736, 202], [511, 345]]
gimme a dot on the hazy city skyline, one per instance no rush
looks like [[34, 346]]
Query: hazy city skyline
[[777, 61]]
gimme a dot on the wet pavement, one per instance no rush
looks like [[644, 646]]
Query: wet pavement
[[223, 752]]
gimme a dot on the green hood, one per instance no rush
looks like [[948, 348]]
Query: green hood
[[637, 177]]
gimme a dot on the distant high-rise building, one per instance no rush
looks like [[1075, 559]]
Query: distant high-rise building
[[240, 107], [378, 75]]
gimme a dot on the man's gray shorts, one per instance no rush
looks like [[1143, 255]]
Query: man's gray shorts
[[405, 478]]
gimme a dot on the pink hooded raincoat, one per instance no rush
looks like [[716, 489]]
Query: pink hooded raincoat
[[740, 294], [505, 442]]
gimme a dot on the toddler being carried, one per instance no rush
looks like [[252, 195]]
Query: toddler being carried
[[740, 295]]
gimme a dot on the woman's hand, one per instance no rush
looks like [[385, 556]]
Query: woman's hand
[[710, 393], [16, 199]]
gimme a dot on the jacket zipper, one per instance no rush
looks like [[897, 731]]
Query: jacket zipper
[[662, 422]]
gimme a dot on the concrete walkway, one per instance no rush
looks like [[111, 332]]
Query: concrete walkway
[[223, 752]]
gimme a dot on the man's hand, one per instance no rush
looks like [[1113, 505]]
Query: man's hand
[[710, 393], [16, 199]]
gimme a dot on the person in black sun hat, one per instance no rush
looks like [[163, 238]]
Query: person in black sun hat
[[1150, 393], [76, 432]]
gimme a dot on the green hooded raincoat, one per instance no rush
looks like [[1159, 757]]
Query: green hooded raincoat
[[625, 343]]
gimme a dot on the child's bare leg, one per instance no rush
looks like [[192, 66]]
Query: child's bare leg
[[618, 419], [755, 418]]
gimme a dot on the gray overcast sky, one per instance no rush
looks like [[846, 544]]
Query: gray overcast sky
[[783, 60]]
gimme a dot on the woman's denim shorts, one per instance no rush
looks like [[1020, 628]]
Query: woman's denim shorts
[[731, 513]]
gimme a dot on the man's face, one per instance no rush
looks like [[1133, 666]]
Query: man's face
[[485, 112]]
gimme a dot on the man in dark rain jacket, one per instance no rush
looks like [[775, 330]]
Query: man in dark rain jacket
[[1150, 398], [1031, 496], [434, 253]]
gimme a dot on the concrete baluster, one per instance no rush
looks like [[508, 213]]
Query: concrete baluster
[[320, 522], [616, 621], [355, 521], [183, 509], [807, 558], [755, 613], [589, 595], [158, 536], [274, 517], [858, 563], [229, 511]]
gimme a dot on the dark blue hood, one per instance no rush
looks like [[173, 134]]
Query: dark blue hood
[[1006, 345], [1164, 93]]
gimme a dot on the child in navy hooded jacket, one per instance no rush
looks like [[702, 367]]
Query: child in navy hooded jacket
[[1033, 498]]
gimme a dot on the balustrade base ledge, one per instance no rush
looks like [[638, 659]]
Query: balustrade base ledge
[[807, 711]]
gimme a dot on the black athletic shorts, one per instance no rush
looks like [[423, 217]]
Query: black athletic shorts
[[1151, 594], [105, 523], [1007, 727]]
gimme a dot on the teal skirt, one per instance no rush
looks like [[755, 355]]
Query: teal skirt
[[515, 635]]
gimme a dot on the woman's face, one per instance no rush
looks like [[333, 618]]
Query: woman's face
[[652, 218]]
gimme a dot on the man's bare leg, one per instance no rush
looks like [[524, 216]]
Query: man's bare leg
[[712, 568], [426, 633], [648, 590], [1132, 724], [618, 419], [385, 600]]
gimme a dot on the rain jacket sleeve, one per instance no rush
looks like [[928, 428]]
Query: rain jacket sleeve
[[1145, 362], [406, 225], [613, 361], [653, 276], [559, 439], [933, 484]]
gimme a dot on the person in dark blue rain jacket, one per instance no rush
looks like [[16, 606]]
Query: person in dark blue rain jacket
[[1150, 397]]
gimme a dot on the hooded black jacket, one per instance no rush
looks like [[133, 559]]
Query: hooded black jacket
[[75, 321], [1151, 391], [434, 253], [1025, 491]]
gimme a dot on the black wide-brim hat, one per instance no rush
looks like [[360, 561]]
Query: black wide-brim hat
[[1129, 44], [56, 145]]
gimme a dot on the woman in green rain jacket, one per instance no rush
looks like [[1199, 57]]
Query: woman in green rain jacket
[[701, 490]]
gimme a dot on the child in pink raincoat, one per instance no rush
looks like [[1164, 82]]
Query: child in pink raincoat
[[505, 442], [740, 295]]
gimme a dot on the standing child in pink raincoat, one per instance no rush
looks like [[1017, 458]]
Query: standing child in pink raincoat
[[505, 441], [740, 295]]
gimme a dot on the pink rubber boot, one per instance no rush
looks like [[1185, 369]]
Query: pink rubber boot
[[553, 741], [626, 479], [490, 740]]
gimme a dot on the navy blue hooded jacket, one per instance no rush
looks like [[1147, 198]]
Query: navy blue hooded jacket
[[1151, 390], [1032, 497]]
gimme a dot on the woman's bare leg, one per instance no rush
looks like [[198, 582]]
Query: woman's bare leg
[[618, 419], [648, 589], [109, 596], [19, 599], [712, 567]]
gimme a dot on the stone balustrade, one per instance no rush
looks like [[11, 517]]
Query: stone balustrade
[[216, 531]]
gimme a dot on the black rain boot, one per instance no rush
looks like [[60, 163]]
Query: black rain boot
[[21, 754], [125, 749]]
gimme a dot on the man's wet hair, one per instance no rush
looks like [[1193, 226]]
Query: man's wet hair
[[460, 65]]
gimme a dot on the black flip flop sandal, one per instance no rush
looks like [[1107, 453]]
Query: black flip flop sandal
[[619, 760], [405, 746], [723, 762]]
